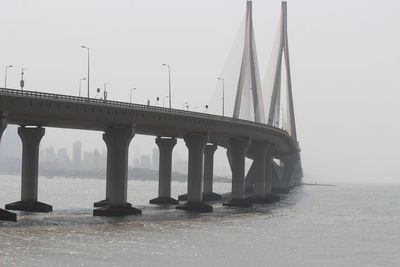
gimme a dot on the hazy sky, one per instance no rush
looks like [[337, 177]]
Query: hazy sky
[[345, 65]]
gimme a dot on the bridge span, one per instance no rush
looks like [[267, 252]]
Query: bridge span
[[35, 111], [275, 152]]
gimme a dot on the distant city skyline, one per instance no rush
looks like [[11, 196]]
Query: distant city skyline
[[76, 157]]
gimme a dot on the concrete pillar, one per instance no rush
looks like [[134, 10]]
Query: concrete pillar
[[208, 194], [3, 125], [268, 172], [31, 138], [237, 150], [117, 140], [289, 168], [260, 149], [165, 146], [5, 215], [195, 144], [249, 180]]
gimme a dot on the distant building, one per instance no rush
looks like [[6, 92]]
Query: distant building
[[145, 162], [50, 155], [136, 156], [63, 160], [96, 160], [155, 158], [87, 162], [180, 166], [11, 145], [77, 155], [136, 163]]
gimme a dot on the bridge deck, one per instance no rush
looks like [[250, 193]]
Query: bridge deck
[[54, 110]]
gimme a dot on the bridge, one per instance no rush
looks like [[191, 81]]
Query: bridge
[[250, 133]]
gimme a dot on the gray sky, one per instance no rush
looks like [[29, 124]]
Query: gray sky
[[345, 65]]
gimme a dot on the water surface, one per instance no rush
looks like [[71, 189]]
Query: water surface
[[345, 225]]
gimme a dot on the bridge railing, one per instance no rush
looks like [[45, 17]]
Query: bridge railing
[[111, 103]]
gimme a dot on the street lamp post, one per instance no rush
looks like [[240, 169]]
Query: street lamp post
[[223, 96], [80, 84], [22, 82], [88, 69], [5, 78], [130, 94], [169, 83], [105, 90]]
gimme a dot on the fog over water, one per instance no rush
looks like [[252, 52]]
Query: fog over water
[[344, 54]]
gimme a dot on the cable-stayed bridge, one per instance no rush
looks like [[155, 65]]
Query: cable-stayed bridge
[[264, 134]]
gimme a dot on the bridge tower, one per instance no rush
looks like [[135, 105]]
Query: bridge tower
[[283, 54], [292, 164], [248, 93]]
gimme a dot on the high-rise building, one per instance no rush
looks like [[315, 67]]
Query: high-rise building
[[136, 156], [96, 160], [155, 158], [145, 162], [11, 145], [50, 155], [63, 161], [87, 162], [181, 166], [77, 155]]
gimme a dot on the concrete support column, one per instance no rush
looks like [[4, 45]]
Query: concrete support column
[[31, 138], [237, 151], [165, 146], [260, 149], [268, 172], [195, 144], [117, 140], [208, 194], [289, 168], [5, 215], [281, 185], [3, 125], [249, 180]]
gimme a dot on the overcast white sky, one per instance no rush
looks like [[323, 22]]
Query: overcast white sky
[[345, 65]]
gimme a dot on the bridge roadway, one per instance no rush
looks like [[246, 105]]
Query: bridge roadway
[[34, 111]]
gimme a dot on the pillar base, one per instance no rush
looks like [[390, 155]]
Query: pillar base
[[195, 207], [280, 190], [100, 203], [34, 206], [105, 202], [7, 216], [239, 203], [182, 197], [164, 201], [211, 196], [116, 211]]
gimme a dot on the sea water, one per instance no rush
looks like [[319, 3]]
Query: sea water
[[343, 225]]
